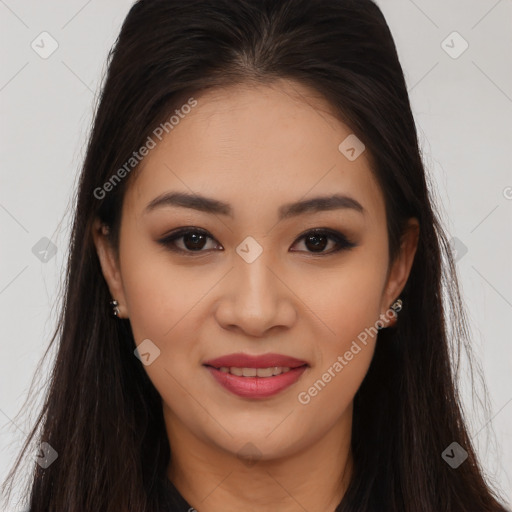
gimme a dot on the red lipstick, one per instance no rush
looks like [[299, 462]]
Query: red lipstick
[[256, 386]]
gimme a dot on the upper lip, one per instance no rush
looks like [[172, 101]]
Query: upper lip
[[241, 360]]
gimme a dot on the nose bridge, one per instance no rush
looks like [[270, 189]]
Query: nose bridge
[[257, 284], [259, 300]]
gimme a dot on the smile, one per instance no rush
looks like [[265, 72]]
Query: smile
[[255, 372], [256, 382]]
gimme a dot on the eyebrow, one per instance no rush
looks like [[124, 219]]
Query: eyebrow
[[210, 205]]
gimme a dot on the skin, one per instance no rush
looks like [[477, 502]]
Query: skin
[[256, 148]]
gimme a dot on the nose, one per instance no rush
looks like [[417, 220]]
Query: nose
[[256, 298]]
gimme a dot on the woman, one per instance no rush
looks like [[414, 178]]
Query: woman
[[253, 316]]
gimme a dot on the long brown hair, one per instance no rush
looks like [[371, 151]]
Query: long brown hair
[[102, 414]]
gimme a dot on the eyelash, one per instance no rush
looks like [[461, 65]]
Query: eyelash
[[343, 243]]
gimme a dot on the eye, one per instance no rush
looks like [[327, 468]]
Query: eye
[[189, 240], [316, 240], [193, 240]]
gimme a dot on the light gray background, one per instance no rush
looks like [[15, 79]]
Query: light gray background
[[462, 106]]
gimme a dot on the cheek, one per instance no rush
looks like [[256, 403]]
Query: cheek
[[161, 300], [146, 287], [159, 294], [348, 304], [347, 299], [332, 384]]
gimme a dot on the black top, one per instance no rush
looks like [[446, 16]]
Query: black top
[[172, 500]]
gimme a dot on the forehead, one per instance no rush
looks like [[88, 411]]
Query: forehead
[[255, 145]]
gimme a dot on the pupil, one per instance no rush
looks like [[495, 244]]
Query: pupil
[[195, 240], [316, 243]]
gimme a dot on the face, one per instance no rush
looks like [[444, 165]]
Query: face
[[250, 273]]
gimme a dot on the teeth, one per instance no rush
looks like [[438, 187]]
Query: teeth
[[264, 372], [255, 372]]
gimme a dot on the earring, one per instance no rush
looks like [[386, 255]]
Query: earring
[[396, 307], [115, 309]]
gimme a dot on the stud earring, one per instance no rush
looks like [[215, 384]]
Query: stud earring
[[396, 307], [115, 308]]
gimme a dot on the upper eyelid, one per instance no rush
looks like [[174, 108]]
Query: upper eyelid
[[331, 233], [179, 232]]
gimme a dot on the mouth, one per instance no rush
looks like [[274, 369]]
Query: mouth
[[271, 371], [256, 376], [264, 362]]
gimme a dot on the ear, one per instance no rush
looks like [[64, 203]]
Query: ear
[[109, 265], [401, 267]]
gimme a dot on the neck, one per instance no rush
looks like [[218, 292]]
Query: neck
[[210, 478]]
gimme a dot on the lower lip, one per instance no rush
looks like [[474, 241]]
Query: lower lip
[[257, 387]]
